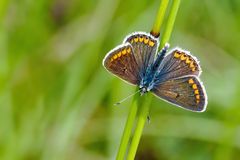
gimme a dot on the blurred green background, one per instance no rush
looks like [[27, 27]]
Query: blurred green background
[[56, 99]]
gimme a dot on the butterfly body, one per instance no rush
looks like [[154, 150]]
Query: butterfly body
[[172, 76], [149, 79]]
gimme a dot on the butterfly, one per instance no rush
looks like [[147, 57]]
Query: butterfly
[[172, 76]]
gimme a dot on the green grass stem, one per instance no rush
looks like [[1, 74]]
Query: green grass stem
[[128, 128], [144, 111], [170, 23], [141, 116], [159, 19]]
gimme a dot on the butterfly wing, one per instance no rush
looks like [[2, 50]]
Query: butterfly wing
[[121, 62], [176, 64], [144, 49], [130, 60], [186, 92]]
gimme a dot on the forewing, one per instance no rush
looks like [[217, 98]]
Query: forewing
[[144, 49], [186, 92], [121, 62], [178, 63]]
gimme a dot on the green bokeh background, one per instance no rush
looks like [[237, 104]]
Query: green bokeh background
[[56, 99]]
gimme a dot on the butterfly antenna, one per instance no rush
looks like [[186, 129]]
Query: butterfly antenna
[[126, 98]]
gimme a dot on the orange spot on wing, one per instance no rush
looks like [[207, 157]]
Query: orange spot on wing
[[194, 86], [146, 40], [151, 43], [196, 91], [136, 39], [188, 60], [190, 81], [119, 54], [192, 64], [128, 50], [197, 101], [140, 39], [124, 52], [198, 97], [183, 57], [115, 56], [177, 54]]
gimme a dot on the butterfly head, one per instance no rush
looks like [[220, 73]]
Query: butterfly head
[[143, 90], [145, 86], [147, 83]]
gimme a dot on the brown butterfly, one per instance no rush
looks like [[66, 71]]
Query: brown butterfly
[[172, 76]]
